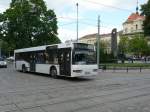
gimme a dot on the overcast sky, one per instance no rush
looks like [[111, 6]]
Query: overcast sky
[[113, 13]]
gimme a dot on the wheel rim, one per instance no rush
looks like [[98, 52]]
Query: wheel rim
[[23, 69], [54, 73]]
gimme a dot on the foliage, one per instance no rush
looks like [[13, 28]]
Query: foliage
[[139, 46], [105, 55], [28, 23], [123, 45], [146, 12]]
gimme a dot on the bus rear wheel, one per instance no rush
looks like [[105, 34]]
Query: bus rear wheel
[[53, 73]]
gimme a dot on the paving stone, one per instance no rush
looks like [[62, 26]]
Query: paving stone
[[106, 92], [10, 107], [38, 109], [63, 107]]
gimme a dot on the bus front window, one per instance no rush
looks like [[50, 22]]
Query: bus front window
[[84, 57]]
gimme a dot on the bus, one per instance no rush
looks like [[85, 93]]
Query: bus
[[67, 59]]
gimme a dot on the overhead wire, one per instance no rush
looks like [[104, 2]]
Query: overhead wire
[[110, 6], [67, 24], [87, 19]]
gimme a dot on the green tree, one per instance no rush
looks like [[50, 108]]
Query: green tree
[[123, 46], [139, 46], [28, 23], [146, 12], [105, 54]]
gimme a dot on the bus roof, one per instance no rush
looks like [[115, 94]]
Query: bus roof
[[40, 48]]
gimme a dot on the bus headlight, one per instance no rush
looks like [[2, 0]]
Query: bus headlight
[[77, 71]]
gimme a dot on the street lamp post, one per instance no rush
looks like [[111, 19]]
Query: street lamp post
[[77, 20], [0, 52], [0, 48], [98, 43]]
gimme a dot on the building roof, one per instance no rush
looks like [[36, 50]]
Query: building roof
[[134, 16], [94, 35]]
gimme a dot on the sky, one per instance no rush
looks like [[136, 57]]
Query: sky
[[112, 14]]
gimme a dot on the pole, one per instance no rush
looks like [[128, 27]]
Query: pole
[[98, 43], [0, 52], [77, 21], [0, 48]]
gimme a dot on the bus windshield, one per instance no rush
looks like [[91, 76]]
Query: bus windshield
[[84, 57]]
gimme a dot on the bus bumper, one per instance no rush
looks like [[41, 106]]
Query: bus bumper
[[84, 70]]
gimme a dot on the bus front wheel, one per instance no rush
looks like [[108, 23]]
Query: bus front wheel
[[24, 69], [53, 72]]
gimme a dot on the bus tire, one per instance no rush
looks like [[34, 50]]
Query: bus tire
[[53, 73], [24, 70]]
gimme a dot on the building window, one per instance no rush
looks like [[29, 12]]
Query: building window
[[136, 27], [126, 30], [131, 29]]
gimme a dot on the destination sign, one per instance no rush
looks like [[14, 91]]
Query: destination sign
[[83, 46]]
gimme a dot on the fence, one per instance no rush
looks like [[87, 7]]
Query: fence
[[126, 68]]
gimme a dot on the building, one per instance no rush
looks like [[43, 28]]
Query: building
[[134, 24], [92, 38], [104, 38]]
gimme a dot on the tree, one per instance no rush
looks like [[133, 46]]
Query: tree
[[105, 54], [28, 23], [139, 46], [146, 11], [123, 46]]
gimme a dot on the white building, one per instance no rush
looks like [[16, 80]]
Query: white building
[[104, 38], [134, 24]]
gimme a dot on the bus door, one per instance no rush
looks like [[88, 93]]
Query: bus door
[[64, 57], [32, 62]]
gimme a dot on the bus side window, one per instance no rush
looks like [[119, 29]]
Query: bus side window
[[46, 58], [55, 59], [62, 57], [37, 58], [40, 58], [68, 57], [17, 56], [50, 58]]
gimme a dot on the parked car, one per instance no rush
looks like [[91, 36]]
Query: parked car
[[3, 63], [10, 59]]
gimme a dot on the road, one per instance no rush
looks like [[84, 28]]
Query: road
[[107, 92]]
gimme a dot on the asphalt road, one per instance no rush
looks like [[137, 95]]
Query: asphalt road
[[108, 92]]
